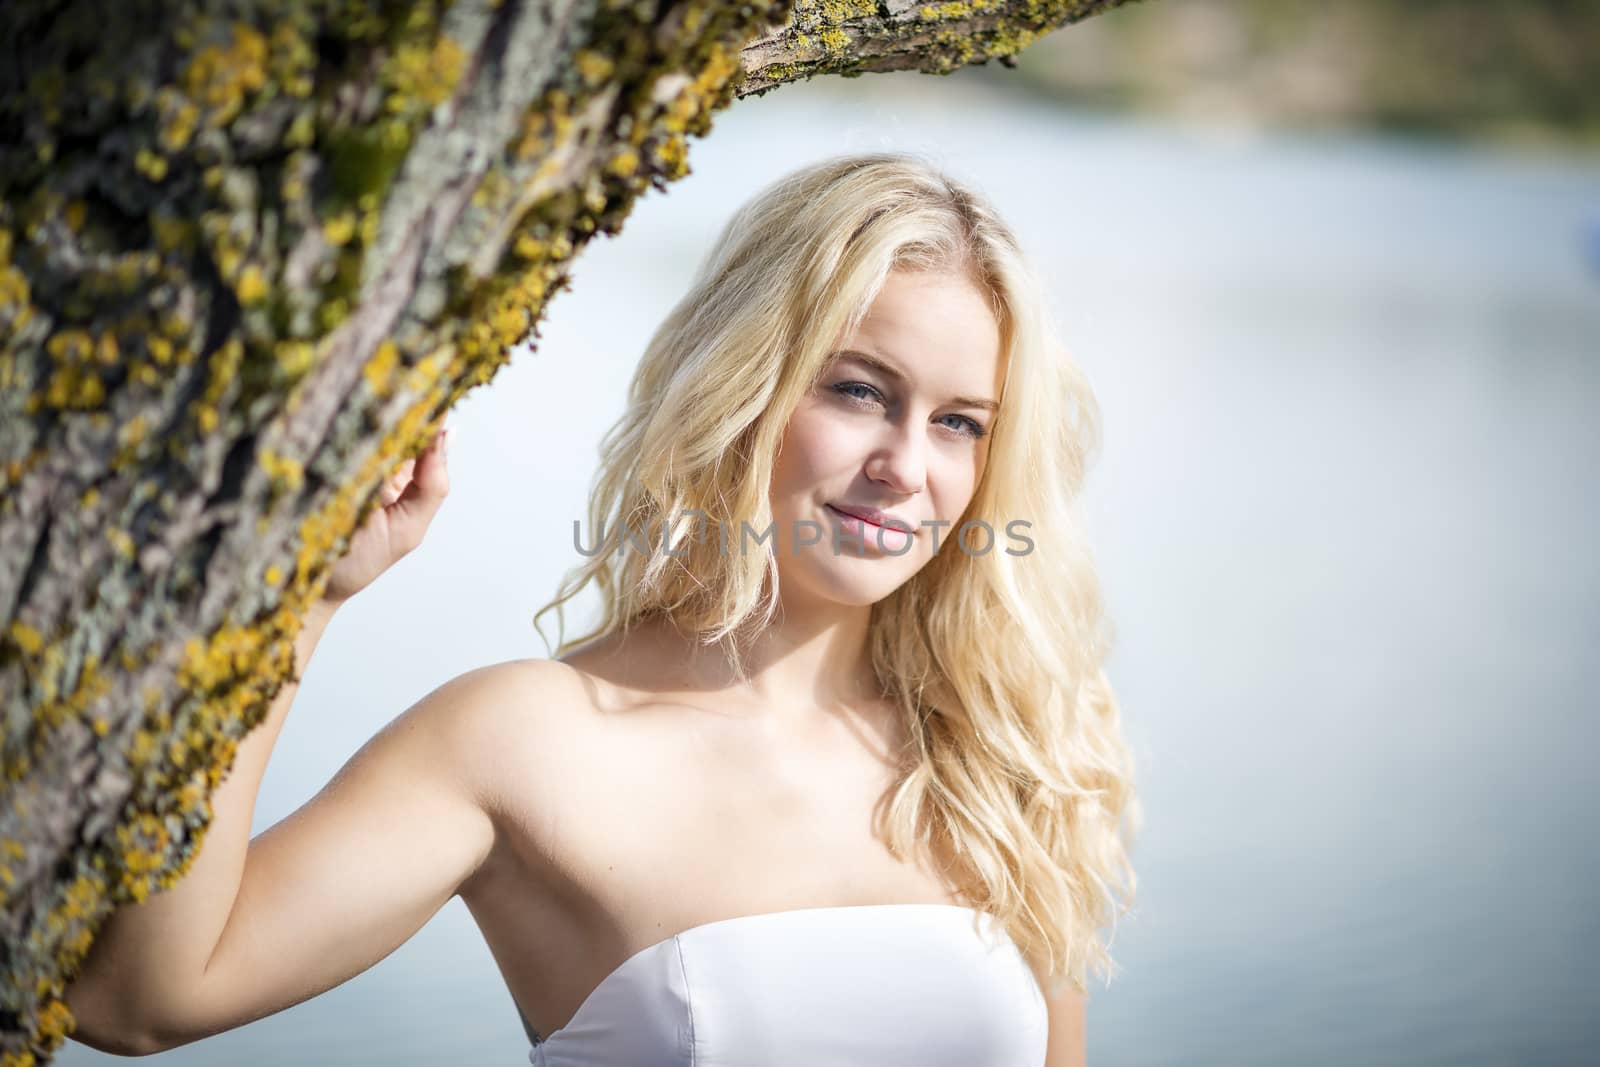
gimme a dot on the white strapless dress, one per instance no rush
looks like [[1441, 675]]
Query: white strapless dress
[[874, 985]]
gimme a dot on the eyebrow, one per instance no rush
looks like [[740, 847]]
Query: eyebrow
[[894, 373]]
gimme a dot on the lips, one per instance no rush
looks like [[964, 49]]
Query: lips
[[875, 517]]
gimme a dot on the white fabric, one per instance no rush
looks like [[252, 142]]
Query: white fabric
[[885, 985]]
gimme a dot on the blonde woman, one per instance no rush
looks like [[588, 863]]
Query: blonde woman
[[837, 777]]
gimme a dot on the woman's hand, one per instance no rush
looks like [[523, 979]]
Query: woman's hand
[[409, 500]]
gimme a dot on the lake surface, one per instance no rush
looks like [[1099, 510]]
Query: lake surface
[[1346, 515]]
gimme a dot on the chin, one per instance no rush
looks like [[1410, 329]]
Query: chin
[[850, 581]]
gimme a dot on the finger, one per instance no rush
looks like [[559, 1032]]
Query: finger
[[397, 482], [430, 483]]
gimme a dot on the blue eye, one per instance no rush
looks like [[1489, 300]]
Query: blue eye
[[969, 427], [843, 386], [973, 429]]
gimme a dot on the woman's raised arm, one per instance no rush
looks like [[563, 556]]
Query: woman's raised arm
[[257, 926]]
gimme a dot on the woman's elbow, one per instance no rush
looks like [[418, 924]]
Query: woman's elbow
[[100, 1026], [117, 1044]]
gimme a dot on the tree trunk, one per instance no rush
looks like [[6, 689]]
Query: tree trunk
[[248, 261]]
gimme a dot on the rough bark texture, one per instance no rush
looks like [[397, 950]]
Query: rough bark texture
[[250, 255]]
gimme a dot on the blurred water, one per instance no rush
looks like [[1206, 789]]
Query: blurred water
[[1346, 520]]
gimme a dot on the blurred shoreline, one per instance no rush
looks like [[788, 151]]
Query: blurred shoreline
[[1520, 76]]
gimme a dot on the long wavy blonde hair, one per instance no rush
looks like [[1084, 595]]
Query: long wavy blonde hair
[[1018, 773]]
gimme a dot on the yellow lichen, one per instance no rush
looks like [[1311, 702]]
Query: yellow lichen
[[284, 472], [331, 314], [293, 59], [224, 365], [24, 1058], [180, 125], [139, 862], [228, 260], [530, 140], [220, 78], [379, 371], [594, 67], [252, 286], [133, 431], [294, 358], [424, 75], [55, 1022], [69, 346], [528, 246], [624, 163], [91, 685], [339, 229], [228, 654], [120, 542], [150, 165], [302, 132]]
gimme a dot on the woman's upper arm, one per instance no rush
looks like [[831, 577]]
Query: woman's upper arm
[[1066, 1010], [345, 880]]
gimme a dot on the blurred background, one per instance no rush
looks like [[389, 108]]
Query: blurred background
[[1334, 272], [1520, 74]]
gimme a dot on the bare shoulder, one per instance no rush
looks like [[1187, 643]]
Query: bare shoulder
[[520, 722], [519, 694]]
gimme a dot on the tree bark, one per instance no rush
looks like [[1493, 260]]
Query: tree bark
[[250, 255]]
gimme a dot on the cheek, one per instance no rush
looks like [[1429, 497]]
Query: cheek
[[974, 475], [954, 484], [816, 448]]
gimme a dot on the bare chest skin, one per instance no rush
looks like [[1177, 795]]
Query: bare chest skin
[[675, 812]]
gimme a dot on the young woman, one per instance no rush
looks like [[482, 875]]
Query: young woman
[[836, 779]]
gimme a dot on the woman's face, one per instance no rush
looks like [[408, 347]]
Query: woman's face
[[896, 425]]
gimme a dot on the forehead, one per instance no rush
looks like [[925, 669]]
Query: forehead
[[935, 330]]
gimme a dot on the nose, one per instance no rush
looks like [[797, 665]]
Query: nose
[[898, 463]]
